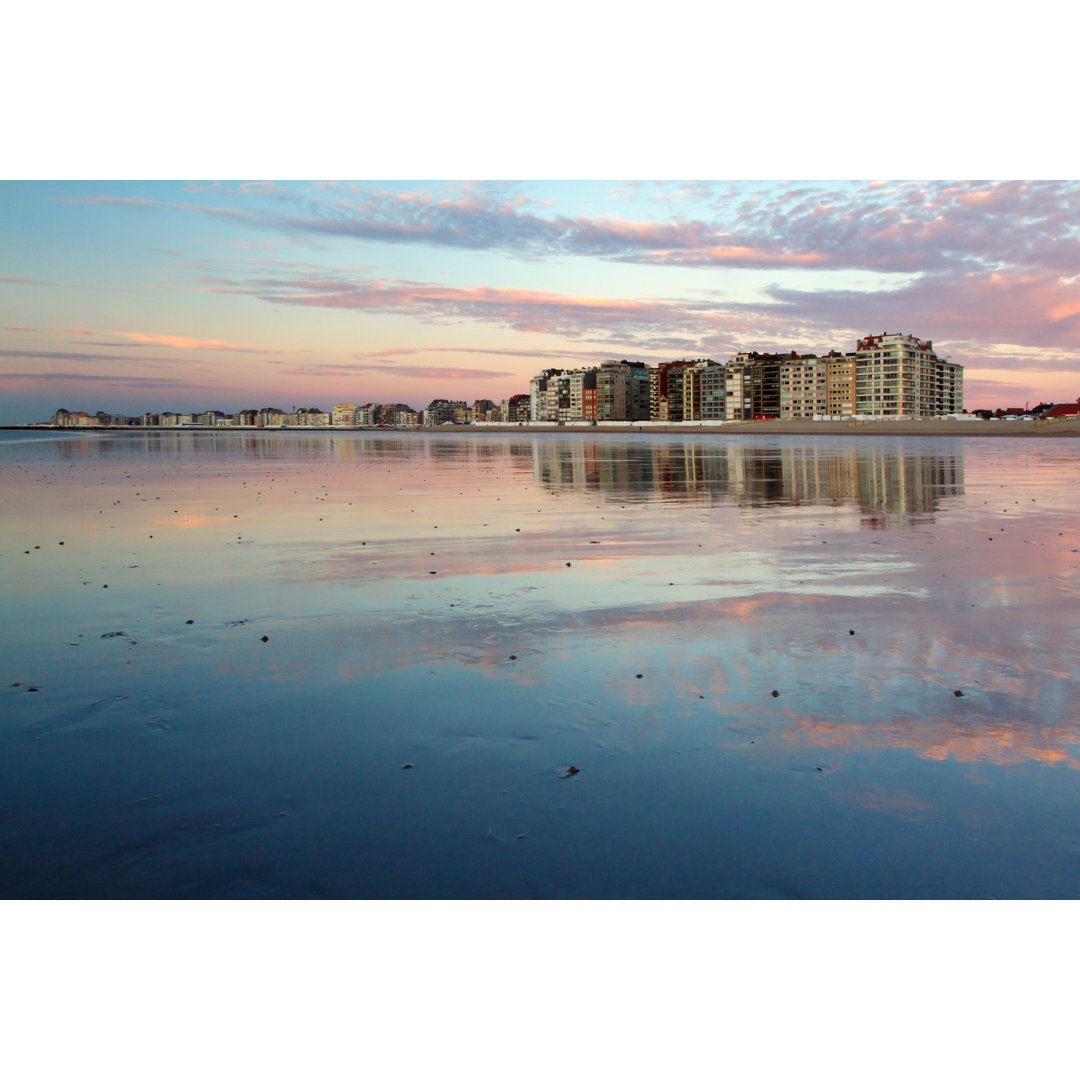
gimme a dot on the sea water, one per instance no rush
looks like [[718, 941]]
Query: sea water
[[429, 665]]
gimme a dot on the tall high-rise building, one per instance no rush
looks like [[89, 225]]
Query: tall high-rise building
[[900, 375]]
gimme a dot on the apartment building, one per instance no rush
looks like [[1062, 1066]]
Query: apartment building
[[344, 414], [760, 385], [544, 395], [899, 375], [441, 411], [704, 385], [622, 390]]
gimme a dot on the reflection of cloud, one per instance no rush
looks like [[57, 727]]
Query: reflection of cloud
[[944, 738], [884, 800]]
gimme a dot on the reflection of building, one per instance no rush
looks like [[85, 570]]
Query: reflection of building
[[884, 483]]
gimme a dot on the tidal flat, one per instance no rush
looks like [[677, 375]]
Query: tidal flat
[[504, 665]]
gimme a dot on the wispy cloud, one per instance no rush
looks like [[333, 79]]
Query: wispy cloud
[[7, 279], [177, 342], [450, 374], [576, 355], [419, 372], [90, 358], [907, 228], [149, 381]]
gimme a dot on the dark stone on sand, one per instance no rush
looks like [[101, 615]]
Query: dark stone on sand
[[572, 771], [776, 693], [958, 693], [264, 638], [407, 765], [639, 676]]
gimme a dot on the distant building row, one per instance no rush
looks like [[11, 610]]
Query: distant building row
[[344, 414], [886, 375]]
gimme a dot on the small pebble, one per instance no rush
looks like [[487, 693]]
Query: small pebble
[[776, 693], [407, 765], [639, 676], [958, 693], [264, 638]]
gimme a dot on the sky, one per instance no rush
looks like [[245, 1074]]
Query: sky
[[190, 295]]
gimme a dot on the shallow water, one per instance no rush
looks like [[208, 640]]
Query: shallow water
[[419, 611]]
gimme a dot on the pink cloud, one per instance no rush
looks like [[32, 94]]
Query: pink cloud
[[908, 227], [176, 342]]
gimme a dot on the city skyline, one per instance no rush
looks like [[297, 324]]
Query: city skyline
[[132, 296]]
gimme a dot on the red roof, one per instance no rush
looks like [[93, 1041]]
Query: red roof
[[1063, 410]]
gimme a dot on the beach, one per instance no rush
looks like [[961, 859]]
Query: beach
[[453, 664]]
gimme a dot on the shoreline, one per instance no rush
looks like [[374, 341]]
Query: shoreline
[[1067, 428]]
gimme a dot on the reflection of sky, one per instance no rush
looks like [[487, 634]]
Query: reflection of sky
[[419, 584]]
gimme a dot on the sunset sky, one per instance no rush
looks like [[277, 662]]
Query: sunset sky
[[185, 296]]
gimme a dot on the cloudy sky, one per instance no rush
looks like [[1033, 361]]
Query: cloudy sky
[[221, 294]]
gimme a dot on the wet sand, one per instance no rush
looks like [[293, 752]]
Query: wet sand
[[525, 666]]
